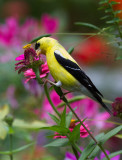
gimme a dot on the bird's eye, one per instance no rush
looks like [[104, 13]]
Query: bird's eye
[[37, 45]]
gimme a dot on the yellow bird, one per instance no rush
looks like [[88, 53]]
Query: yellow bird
[[65, 70]]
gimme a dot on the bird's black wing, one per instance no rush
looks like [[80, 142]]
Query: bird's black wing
[[80, 75]]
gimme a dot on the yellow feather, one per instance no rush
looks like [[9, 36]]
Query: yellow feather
[[48, 46]]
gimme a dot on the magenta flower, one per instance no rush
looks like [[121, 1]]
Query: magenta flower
[[102, 155], [46, 107], [11, 96], [29, 74], [8, 31], [90, 109], [73, 124], [27, 61], [117, 107], [30, 29], [71, 156], [49, 24], [13, 34], [85, 108]]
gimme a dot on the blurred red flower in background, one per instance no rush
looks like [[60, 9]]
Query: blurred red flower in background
[[93, 51], [117, 7]]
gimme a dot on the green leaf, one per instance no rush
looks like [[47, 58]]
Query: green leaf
[[103, 2], [75, 134], [118, 58], [90, 147], [118, 11], [108, 10], [113, 154], [70, 50], [23, 147], [113, 2], [4, 129], [60, 129], [4, 110], [58, 143], [18, 123], [16, 150], [60, 93], [96, 150], [63, 118], [119, 136], [107, 16], [113, 20], [88, 25], [111, 134], [37, 38], [54, 118], [68, 119]]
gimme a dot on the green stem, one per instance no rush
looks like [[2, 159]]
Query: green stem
[[77, 98], [75, 152], [75, 148], [88, 131], [36, 70], [50, 101], [11, 145], [101, 147]]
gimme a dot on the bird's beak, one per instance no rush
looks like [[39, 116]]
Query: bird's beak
[[38, 52]]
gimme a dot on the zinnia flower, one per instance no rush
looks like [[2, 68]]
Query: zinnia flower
[[28, 60], [73, 124], [117, 107]]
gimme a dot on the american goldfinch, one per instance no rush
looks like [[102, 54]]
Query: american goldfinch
[[65, 70]]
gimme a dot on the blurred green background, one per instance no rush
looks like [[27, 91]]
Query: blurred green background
[[96, 56]]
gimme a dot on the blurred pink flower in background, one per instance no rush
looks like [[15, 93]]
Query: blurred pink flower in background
[[13, 34], [49, 24], [103, 156], [11, 96], [86, 108], [33, 87], [71, 156]]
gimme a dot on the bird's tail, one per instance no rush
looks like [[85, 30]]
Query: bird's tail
[[99, 99]]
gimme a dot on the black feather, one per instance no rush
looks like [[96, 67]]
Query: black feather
[[80, 75]]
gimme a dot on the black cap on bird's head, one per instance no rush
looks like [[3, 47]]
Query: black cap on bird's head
[[37, 45], [43, 44]]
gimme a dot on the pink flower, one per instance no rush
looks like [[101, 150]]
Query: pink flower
[[73, 124], [69, 156], [11, 96], [8, 31], [30, 29], [29, 74], [50, 24], [13, 34], [27, 60], [117, 107], [46, 107], [102, 155], [90, 109]]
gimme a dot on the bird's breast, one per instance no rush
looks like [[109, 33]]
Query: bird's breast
[[60, 74]]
